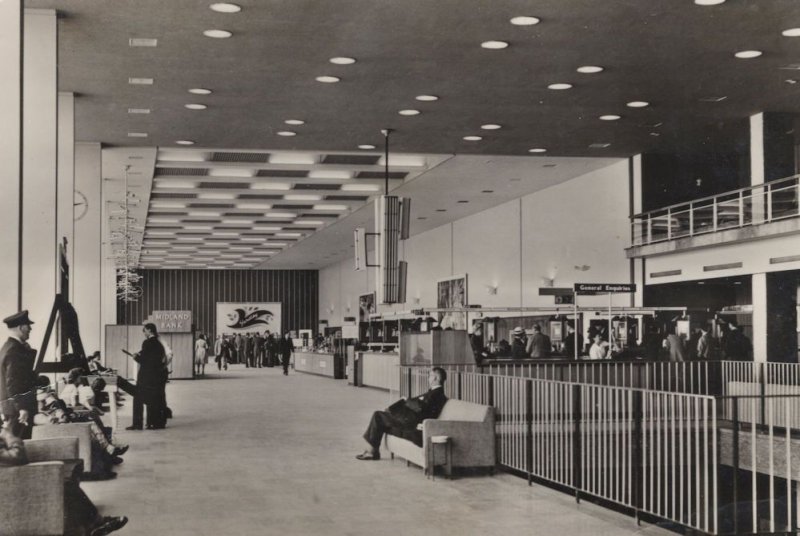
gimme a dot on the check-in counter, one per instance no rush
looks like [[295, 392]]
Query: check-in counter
[[380, 369], [324, 364]]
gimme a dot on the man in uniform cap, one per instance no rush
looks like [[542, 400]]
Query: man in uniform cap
[[17, 379]]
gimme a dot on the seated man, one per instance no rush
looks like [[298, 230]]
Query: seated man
[[81, 515], [402, 417]]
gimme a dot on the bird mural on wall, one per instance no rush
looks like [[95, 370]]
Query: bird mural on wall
[[246, 317]]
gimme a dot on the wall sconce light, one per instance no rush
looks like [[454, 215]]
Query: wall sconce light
[[416, 300], [548, 282], [347, 308], [331, 308], [491, 289]]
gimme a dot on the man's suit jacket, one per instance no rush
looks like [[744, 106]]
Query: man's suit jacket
[[152, 373], [17, 379], [413, 411]]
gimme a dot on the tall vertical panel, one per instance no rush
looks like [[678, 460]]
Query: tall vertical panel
[[200, 290]]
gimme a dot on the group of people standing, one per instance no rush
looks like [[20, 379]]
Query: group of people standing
[[253, 350]]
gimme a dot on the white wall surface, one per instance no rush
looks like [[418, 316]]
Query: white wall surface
[[583, 221]]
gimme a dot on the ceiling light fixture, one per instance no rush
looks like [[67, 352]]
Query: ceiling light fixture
[[195, 106], [366, 146], [217, 34], [491, 126], [138, 110], [525, 21], [472, 138], [254, 206], [360, 188], [590, 69], [328, 79], [270, 186], [184, 142], [427, 98], [286, 133], [225, 8], [295, 122], [282, 215], [142, 42], [302, 197], [610, 117], [330, 207], [342, 60], [560, 86], [791, 32], [140, 81], [137, 134], [494, 45], [748, 54], [409, 112], [709, 2], [537, 150], [200, 91], [638, 104], [330, 174]]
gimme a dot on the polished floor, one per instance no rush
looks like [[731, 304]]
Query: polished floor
[[251, 451]]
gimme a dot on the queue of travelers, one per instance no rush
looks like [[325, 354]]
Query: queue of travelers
[[253, 350]]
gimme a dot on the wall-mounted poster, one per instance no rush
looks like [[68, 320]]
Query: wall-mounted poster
[[366, 306], [235, 318], [452, 294]]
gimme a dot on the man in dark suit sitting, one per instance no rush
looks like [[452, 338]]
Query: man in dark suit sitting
[[402, 417]]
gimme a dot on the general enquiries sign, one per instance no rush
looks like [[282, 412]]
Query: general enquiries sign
[[604, 288]]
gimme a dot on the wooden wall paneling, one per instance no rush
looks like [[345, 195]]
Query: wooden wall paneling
[[116, 339], [182, 345]]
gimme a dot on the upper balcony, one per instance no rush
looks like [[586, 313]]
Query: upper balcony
[[751, 213]]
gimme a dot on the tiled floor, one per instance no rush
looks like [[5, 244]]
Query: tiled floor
[[251, 451]]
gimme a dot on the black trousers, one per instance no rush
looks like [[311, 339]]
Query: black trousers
[[156, 400], [285, 362], [79, 511], [383, 422]]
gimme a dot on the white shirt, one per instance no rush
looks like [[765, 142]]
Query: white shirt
[[597, 351]]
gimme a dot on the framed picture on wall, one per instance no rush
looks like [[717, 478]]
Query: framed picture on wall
[[451, 293], [366, 306]]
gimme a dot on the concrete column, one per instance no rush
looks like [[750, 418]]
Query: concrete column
[[759, 285], [637, 265], [87, 242], [11, 31], [66, 176], [39, 187], [757, 164]]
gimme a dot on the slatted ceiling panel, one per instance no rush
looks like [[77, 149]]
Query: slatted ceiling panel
[[316, 186], [381, 175], [173, 195], [351, 159], [240, 157], [361, 198], [260, 196], [225, 185], [318, 216], [212, 205], [180, 172], [291, 206], [286, 173]]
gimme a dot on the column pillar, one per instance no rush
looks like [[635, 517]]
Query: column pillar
[[757, 165], [39, 187], [66, 177], [87, 242], [759, 285], [11, 31]]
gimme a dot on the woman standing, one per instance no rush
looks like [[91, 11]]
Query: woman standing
[[200, 350], [151, 382]]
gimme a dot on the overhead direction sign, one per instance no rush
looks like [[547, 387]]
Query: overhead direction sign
[[604, 288]]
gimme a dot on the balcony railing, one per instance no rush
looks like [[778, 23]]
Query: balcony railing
[[764, 203]]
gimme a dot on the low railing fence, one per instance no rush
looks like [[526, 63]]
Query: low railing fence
[[651, 452]]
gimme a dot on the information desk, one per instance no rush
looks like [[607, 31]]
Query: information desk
[[324, 364], [380, 369]]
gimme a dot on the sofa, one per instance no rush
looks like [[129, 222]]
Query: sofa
[[79, 430], [470, 428], [32, 495]]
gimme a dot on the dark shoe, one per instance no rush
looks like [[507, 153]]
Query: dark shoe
[[168, 413], [149, 427], [116, 460], [133, 428], [367, 455], [119, 451], [107, 525]]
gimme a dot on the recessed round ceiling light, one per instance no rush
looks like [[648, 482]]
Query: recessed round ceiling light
[[217, 34], [748, 54], [638, 104], [225, 8], [200, 91], [491, 126], [791, 32], [427, 98], [185, 142], [472, 138], [327, 79], [409, 112], [286, 133], [537, 150], [196, 106], [709, 2], [609, 117], [341, 60], [295, 122], [560, 86], [366, 147], [525, 21], [494, 45], [590, 69]]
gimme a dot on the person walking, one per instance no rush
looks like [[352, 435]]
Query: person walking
[[286, 351]]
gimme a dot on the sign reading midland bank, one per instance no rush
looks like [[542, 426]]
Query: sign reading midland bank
[[604, 288], [172, 321]]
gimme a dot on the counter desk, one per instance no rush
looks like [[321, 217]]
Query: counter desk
[[380, 370], [322, 363]]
